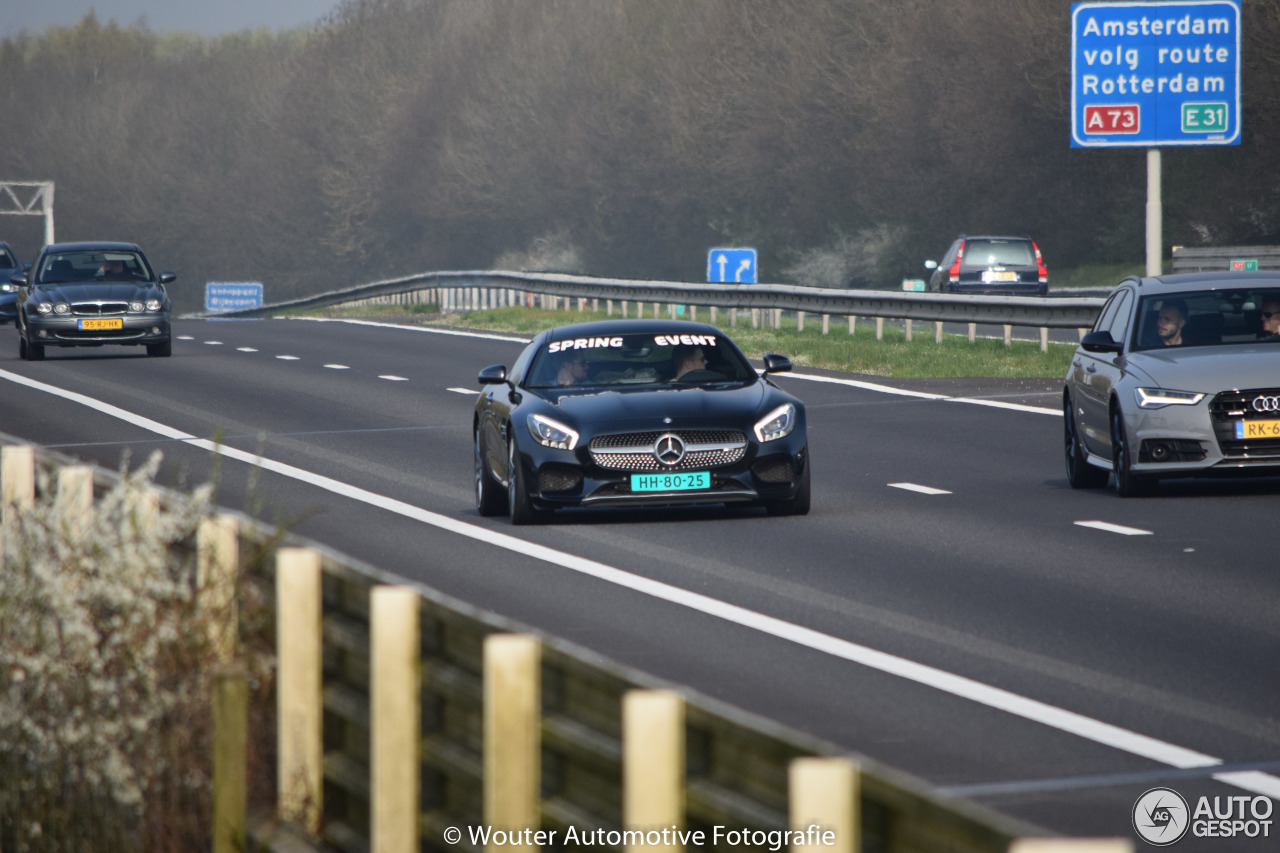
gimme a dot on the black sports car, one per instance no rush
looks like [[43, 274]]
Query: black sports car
[[90, 294], [639, 412]]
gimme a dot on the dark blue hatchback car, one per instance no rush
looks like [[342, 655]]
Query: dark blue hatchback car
[[9, 267]]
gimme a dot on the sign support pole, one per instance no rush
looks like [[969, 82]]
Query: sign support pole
[[1155, 214]]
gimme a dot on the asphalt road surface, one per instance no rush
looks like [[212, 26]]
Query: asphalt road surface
[[950, 607]]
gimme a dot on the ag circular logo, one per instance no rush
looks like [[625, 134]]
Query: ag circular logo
[[1161, 817]]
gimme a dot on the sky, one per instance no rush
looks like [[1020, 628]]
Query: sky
[[206, 17]]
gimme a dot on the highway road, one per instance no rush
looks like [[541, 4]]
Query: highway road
[[950, 607]]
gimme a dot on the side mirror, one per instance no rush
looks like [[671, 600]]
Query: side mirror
[[775, 363], [26, 267], [167, 277], [19, 279], [931, 265], [494, 374], [1099, 342]]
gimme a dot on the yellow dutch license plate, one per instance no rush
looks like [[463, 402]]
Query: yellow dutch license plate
[[999, 275], [1257, 429], [101, 325]]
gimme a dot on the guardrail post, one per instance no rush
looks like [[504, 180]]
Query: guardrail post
[[823, 804], [394, 703], [1008, 335], [1071, 845], [799, 321], [826, 323], [906, 328], [733, 317], [230, 776], [300, 740], [653, 764], [512, 735], [75, 495], [755, 318], [18, 473], [1044, 339], [937, 332], [879, 328], [973, 332], [217, 566], [853, 322]]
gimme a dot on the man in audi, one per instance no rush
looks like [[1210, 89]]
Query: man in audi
[[1137, 410]]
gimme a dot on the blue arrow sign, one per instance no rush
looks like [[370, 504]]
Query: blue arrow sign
[[731, 265], [1155, 74]]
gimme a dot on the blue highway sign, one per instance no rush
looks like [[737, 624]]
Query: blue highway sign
[[231, 295], [731, 265], [1155, 74]]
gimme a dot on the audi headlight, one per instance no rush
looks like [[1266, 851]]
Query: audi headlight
[[776, 424], [136, 307], [44, 307], [551, 433], [153, 304], [1158, 398]]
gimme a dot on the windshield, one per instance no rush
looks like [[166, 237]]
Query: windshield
[[7, 261], [664, 359], [1208, 318], [998, 253], [63, 267]]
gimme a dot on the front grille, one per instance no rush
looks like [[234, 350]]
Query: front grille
[[96, 309], [633, 451], [1234, 407]]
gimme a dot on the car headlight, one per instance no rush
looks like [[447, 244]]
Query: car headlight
[[44, 307], [776, 424], [1158, 398], [551, 433], [153, 304], [136, 307], [62, 308], [5, 288]]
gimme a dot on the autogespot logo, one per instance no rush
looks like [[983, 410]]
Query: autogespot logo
[[1160, 817]]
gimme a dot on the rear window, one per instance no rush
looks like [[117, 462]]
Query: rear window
[[999, 253], [672, 357]]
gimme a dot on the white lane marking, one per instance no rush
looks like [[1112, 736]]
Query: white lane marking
[[185, 338], [337, 367], [902, 392], [394, 378], [213, 343], [1114, 528], [965, 688], [288, 358], [245, 349], [924, 490], [468, 391], [429, 329]]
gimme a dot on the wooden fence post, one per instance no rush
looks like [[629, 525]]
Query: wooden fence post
[[300, 740], [395, 683], [512, 735], [653, 763], [823, 803], [218, 566], [18, 473], [230, 776]]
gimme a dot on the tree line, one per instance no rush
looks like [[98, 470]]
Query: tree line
[[847, 139]]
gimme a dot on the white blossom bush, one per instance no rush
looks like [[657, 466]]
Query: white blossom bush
[[103, 672]]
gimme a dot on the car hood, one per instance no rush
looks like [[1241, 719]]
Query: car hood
[[1212, 369], [649, 408]]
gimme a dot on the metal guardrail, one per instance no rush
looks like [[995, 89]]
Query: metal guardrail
[[1034, 311], [1220, 258]]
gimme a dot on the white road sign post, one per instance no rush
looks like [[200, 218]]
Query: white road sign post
[[1155, 75]]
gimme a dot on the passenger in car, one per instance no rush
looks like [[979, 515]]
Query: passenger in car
[[573, 370], [1270, 315]]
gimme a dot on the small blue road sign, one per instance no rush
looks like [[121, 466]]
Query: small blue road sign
[[736, 265], [1155, 74], [232, 295]]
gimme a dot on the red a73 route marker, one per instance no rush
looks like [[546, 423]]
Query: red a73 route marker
[[1111, 118]]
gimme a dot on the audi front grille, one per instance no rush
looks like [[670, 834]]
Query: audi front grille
[[633, 451], [1235, 407]]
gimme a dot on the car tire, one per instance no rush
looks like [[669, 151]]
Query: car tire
[[30, 351], [798, 505], [161, 350], [519, 507], [1128, 484], [490, 499], [1080, 474]]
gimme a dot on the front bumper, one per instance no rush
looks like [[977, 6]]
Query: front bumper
[[1206, 438], [766, 473], [66, 331]]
